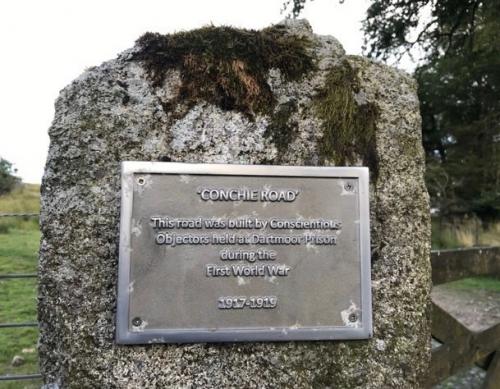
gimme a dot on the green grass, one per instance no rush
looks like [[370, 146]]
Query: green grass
[[489, 284], [24, 199], [19, 240]]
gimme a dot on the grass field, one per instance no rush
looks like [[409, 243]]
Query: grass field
[[24, 199], [19, 239], [490, 284]]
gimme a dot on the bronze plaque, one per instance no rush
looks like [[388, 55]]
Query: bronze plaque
[[212, 253]]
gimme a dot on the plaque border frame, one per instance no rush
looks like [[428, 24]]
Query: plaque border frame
[[125, 336]]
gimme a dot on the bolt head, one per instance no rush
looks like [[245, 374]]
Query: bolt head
[[349, 187], [136, 321]]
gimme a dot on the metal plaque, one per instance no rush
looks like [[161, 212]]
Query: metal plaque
[[224, 253]]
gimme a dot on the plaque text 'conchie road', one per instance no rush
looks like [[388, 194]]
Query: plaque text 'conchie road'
[[239, 253]]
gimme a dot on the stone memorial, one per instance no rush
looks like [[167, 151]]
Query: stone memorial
[[271, 266]]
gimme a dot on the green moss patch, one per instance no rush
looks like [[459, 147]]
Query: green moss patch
[[348, 127], [225, 66], [281, 129]]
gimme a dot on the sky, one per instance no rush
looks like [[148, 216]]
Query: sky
[[46, 44]]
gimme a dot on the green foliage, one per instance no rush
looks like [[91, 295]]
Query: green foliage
[[226, 66], [395, 27], [8, 180], [348, 127], [461, 122]]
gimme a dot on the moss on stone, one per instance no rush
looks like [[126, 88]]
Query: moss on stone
[[348, 126], [281, 129], [226, 66]]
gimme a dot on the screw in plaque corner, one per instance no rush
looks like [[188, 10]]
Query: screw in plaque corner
[[136, 321], [349, 186]]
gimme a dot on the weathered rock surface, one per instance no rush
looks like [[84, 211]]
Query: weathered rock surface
[[115, 112]]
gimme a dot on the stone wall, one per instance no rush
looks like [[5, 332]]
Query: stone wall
[[279, 96]]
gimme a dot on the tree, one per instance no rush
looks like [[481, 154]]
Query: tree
[[461, 115], [438, 27], [459, 86], [7, 178], [459, 83], [297, 7]]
